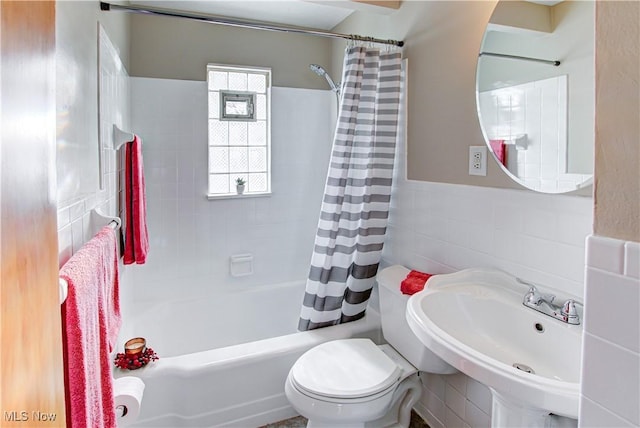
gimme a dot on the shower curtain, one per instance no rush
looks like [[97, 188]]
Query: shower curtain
[[355, 206]]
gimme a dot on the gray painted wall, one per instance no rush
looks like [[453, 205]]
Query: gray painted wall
[[442, 43], [173, 48]]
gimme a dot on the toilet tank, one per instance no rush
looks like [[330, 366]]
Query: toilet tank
[[395, 329]]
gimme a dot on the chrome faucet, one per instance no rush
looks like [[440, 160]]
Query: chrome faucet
[[543, 303]]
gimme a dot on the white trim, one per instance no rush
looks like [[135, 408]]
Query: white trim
[[266, 72], [215, 196]]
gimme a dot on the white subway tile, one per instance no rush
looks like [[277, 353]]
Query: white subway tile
[[632, 259], [451, 420], [77, 235], [428, 265], [592, 415], [76, 210], [65, 245], [480, 395], [553, 257], [462, 258], [508, 216], [573, 228], [605, 253], [541, 224], [455, 401], [611, 377], [428, 416], [433, 404], [612, 308], [458, 381], [63, 218], [475, 417], [434, 383], [426, 247], [507, 246], [481, 238]]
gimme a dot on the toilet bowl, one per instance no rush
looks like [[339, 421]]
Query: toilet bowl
[[356, 383], [353, 383]]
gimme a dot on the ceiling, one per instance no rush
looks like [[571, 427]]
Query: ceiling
[[319, 14], [312, 14]]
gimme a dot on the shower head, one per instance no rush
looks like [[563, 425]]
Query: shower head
[[322, 72], [317, 69]]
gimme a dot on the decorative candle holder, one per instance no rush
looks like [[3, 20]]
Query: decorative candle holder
[[135, 346], [136, 354]]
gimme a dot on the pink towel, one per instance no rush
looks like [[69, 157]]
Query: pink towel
[[136, 241], [90, 324], [414, 282], [497, 146]]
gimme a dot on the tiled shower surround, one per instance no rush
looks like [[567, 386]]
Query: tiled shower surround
[[192, 238]]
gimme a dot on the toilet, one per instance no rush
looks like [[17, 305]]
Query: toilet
[[356, 383]]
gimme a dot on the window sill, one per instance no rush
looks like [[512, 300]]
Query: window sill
[[214, 197]]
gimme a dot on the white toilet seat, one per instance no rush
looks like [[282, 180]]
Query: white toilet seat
[[354, 370], [340, 400]]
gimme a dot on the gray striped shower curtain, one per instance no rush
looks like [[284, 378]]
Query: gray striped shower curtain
[[355, 206]]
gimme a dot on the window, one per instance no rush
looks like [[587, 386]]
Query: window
[[239, 129], [237, 106]]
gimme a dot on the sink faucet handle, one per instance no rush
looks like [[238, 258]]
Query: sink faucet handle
[[569, 308], [570, 313]]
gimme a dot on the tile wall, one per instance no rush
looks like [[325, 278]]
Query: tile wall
[[192, 238], [515, 111], [611, 349], [441, 228], [75, 222]]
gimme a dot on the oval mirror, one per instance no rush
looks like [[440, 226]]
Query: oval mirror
[[536, 92]]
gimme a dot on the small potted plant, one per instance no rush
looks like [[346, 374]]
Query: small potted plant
[[240, 185]]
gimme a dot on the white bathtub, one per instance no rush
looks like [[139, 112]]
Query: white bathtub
[[224, 359]]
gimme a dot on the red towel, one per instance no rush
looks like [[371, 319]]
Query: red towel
[[136, 240], [90, 324], [497, 146], [414, 282]]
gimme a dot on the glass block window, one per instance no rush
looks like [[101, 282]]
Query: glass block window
[[239, 129]]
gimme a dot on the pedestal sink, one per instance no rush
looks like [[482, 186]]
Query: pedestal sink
[[475, 321]]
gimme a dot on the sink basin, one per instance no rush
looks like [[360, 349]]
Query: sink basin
[[475, 321]]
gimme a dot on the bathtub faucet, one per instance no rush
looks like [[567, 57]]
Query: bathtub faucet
[[543, 303]]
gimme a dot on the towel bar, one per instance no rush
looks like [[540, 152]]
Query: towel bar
[[99, 218], [115, 224], [120, 137]]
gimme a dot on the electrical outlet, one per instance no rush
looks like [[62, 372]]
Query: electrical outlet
[[478, 160]]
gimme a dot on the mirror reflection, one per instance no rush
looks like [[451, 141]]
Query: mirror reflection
[[536, 92]]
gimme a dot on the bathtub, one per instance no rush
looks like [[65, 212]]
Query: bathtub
[[224, 358]]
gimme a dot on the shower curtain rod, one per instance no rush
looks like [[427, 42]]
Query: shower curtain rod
[[555, 63], [257, 25]]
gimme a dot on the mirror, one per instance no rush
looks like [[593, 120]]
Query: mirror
[[537, 117]]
